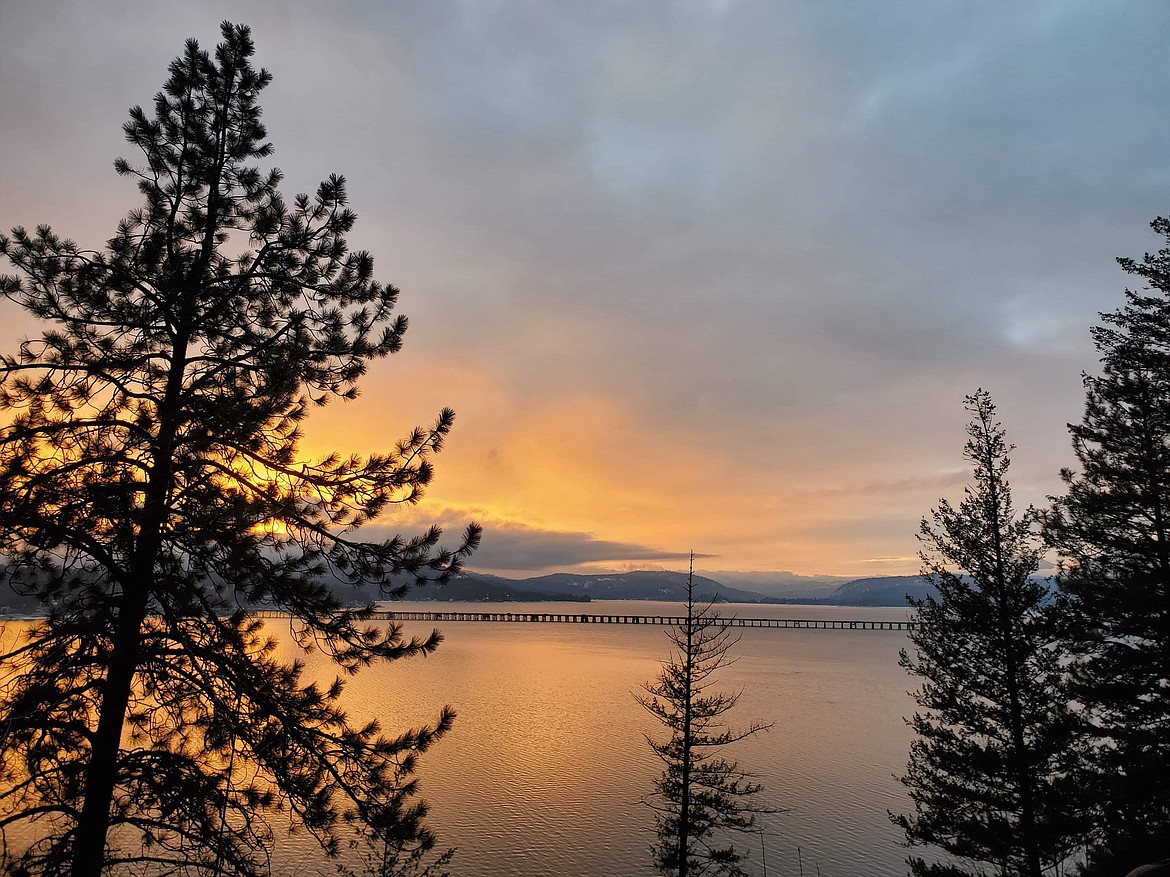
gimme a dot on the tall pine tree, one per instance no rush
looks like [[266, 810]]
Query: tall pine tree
[[152, 494], [1113, 527], [701, 797], [991, 769]]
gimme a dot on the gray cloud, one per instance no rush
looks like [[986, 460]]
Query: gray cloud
[[791, 234], [509, 547], [516, 547]]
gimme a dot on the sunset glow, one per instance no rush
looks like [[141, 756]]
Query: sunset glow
[[709, 276]]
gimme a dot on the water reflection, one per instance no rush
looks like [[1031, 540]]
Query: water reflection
[[544, 768], [546, 763]]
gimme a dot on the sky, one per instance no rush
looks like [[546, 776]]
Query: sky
[[695, 275]]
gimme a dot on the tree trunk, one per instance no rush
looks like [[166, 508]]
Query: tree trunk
[[102, 773], [1011, 660], [684, 810], [89, 846]]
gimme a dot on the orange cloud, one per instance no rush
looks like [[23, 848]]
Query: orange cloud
[[590, 470]]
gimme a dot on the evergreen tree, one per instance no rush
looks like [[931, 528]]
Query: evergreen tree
[[991, 771], [152, 494], [1113, 527], [700, 796]]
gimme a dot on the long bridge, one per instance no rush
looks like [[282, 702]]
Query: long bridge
[[660, 620]]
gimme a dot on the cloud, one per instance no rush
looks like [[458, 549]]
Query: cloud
[[508, 546], [689, 273], [518, 547]]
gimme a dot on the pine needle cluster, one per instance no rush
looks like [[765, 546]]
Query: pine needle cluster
[[153, 495]]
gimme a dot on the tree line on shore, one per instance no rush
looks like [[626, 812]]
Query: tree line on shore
[[1043, 744], [152, 492]]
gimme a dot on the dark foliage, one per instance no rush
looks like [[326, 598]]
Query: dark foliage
[[1113, 527], [151, 491], [992, 770], [700, 796]]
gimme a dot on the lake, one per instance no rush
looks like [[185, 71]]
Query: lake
[[544, 769]]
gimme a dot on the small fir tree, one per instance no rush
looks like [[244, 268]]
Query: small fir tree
[[990, 773], [1113, 528], [152, 495], [701, 796]]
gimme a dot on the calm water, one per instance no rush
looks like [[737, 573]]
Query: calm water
[[544, 768]]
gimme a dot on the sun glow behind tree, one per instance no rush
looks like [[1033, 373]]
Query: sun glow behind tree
[[152, 490]]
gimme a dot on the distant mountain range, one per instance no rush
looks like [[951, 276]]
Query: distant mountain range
[[638, 585], [476, 587], [881, 591], [669, 586], [778, 583]]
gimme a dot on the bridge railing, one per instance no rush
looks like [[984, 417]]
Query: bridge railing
[[659, 620]]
